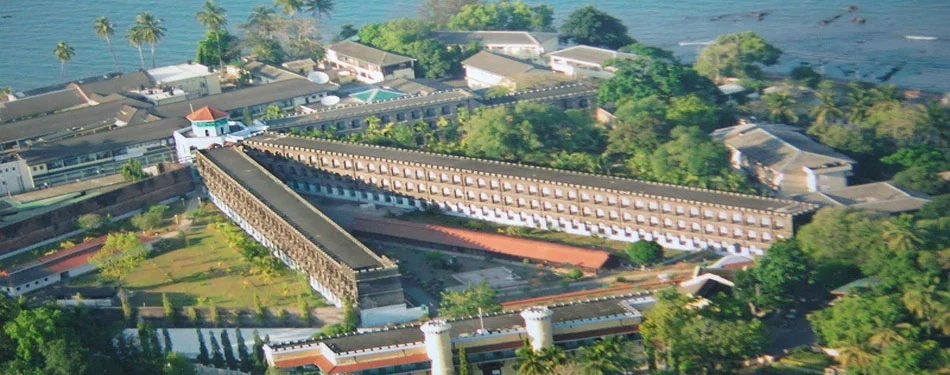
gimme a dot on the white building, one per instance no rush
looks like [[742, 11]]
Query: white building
[[518, 44], [784, 159], [368, 64], [195, 79], [585, 61], [15, 175], [209, 128], [485, 69]]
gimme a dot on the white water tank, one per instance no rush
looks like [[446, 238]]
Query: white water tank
[[537, 321]]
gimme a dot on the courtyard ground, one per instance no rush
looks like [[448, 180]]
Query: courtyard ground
[[207, 269]]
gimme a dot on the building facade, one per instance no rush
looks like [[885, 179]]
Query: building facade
[[523, 45], [337, 265], [195, 79], [368, 64], [489, 342], [585, 61], [511, 194]]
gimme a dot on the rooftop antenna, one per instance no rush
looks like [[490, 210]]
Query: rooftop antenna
[[192, 107]]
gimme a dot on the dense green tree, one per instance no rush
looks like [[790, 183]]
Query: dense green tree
[[528, 132], [440, 11], [121, 254], [467, 302], [922, 179], [840, 235], [503, 15], [413, 38], [693, 111], [151, 218], [245, 361], [90, 221], [641, 78], [780, 108], [167, 340], [593, 27], [648, 51], [266, 49], [217, 48], [939, 206], [63, 358], [640, 126], [736, 55], [644, 252], [690, 158], [608, 356], [132, 170], [214, 18], [805, 75], [853, 320], [778, 277], [258, 353], [845, 137], [464, 367], [177, 364]]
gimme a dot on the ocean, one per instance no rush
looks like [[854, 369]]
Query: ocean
[[29, 29]]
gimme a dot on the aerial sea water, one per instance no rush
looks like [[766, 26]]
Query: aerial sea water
[[839, 46]]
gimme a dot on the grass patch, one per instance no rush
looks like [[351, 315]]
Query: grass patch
[[206, 270], [806, 359]]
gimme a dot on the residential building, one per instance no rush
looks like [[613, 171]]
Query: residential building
[[368, 64], [211, 127], [518, 44], [14, 175], [784, 159], [286, 94], [486, 69], [50, 269], [513, 194], [301, 67], [881, 196], [489, 341], [585, 61], [195, 79], [87, 120]]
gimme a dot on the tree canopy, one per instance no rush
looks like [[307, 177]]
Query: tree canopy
[[413, 38], [467, 302], [503, 15], [641, 78], [736, 55], [121, 254], [593, 27], [644, 252]]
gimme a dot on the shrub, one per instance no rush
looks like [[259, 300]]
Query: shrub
[[644, 252], [575, 274]]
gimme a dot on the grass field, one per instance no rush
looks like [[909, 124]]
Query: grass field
[[208, 269]]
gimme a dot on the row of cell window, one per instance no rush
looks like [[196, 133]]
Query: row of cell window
[[545, 191]]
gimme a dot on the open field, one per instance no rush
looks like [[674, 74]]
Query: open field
[[207, 269]]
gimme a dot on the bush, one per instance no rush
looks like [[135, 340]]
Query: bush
[[644, 252], [575, 274], [805, 75]]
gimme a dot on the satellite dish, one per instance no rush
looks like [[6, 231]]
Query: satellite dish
[[330, 100], [318, 77]]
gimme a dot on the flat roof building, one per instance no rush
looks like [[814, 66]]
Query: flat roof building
[[518, 44], [368, 64], [486, 69], [585, 61], [195, 79]]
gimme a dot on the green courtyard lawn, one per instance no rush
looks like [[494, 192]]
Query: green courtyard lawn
[[208, 269]]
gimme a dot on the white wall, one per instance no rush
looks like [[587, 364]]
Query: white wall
[[480, 79], [185, 340], [15, 177]]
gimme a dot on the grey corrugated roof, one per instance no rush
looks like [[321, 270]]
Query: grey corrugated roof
[[368, 54], [544, 174], [122, 137], [780, 147], [609, 306], [118, 84], [493, 37], [879, 196], [498, 65], [591, 55], [87, 118], [41, 104], [294, 209], [246, 97]]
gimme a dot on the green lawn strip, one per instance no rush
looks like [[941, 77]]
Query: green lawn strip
[[208, 269], [814, 361]]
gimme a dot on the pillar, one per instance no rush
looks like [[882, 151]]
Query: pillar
[[537, 321], [439, 346]]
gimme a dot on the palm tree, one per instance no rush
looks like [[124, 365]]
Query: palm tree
[[827, 110], [148, 29], [855, 356], [214, 19], [859, 101], [609, 356], [135, 39], [929, 302], [261, 19], [901, 235], [320, 8], [887, 335], [105, 29], [779, 106], [64, 53], [530, 362], [289, 7]]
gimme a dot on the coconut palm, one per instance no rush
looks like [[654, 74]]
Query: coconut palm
[[289, 7], [261, 19], [828, 110], [779, 107], [859, 101], [611, 355], [105, 29], [320, 8], [887, 335], [901, 235], [530, 362], [855, 356], [148, 29], [213, 17], [64, 53], [929, 302], [136, 40]]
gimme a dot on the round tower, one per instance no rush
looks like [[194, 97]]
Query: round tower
[[439, 346], [537, 321]]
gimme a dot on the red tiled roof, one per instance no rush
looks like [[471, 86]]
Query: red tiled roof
[[496, 243], [328, 367], [207, 114]]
